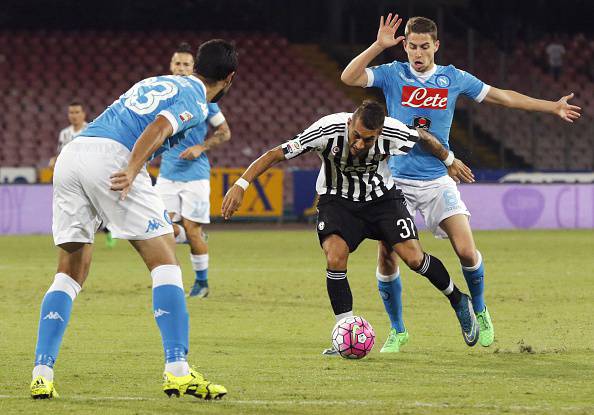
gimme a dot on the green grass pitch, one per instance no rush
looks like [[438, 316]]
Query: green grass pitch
[[261, 331]]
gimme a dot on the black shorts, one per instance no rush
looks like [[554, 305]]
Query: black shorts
[[385, 219]]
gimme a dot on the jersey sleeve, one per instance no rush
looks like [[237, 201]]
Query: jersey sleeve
[[378, 76], [398, 138], [471, 86], [314, 138], [215, 116], [186, 111]]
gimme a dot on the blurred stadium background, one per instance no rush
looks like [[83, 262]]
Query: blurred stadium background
[[292, 54], [262, 328]]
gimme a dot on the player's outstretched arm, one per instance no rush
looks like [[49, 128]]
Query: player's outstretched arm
[[149, 141], [456, 168], [234, 196], [513, 99], [354, 74]]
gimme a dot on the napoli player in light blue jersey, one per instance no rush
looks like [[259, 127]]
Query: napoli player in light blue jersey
[[184, 179], [101, 176], [423, 94]]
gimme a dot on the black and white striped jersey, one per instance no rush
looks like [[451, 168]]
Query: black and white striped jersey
[[353, 178]]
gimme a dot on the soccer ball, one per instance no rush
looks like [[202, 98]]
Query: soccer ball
[[353, 337]]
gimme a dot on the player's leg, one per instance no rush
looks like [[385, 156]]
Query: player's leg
[[195, 212], [339, 233], [73, 267], [458, 229], [171, 315], [74, 224], [433, 269], [198, 258], [390, 289]]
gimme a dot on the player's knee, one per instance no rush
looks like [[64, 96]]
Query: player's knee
[[413, 259], [467, 254], [386, 264]]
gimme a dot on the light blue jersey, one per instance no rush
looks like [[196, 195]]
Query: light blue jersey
[[177, 169], [429, 104], [182, 100]]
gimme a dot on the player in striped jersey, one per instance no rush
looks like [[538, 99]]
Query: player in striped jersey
[[358, 199]]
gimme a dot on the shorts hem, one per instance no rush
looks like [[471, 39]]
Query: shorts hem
[[144, 237]]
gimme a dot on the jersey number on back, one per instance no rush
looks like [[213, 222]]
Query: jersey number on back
[[145, 96]]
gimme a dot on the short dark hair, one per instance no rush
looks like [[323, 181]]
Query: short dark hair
[[421, 24], [184, 47], [76, 103], [371, 113], [215, 60]]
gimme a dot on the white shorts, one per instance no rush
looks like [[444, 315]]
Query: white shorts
[[82, 198], [436, 200], [190, 200]]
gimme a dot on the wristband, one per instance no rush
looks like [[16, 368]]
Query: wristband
[[449, 159], [243, 183]]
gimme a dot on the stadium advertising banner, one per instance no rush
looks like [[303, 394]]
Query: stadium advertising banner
[[264, 197], [27, 209], [495, 206]]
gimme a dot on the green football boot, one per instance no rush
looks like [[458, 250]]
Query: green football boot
[[192, 384], [41, 388], [487, 332], [395, 341]]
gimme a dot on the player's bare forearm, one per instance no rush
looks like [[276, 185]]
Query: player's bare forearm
[[432, 144], [513, 99], [221, 134], [149, 141], [354, 74], [263, 163]]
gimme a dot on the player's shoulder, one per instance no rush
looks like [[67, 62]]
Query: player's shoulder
[[452, 72], [394, 124], [65, 130], [338, 118]]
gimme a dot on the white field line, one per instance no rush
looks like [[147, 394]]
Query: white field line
[[321, 402]]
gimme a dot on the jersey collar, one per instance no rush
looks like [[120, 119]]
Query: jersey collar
[[423, 76]]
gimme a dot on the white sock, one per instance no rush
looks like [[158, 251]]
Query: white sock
[[181, 237], [178, 368], [45, 371], [199, 262], [344, 315]]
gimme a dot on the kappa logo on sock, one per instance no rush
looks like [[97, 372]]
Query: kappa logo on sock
[[159, 312], [53, 315]]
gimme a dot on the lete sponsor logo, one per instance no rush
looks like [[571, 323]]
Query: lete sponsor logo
[[430, 98], [523, 207]]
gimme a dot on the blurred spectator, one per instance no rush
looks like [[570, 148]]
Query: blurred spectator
[[77, 118], [555, 52]]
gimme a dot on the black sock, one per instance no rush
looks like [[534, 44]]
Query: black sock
[[437, 274], [339, 291]]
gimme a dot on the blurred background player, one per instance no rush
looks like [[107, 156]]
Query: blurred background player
[[78, 122], [423, 94], [359, 200], [184, 179], [102, 176]]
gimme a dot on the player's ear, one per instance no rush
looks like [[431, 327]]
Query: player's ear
[[230, 77], [404, 44], [437, 45]]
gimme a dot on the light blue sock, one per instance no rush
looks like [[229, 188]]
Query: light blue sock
[[200, 267], [390, 289], [475, 276], [171, 314], [55, 314]]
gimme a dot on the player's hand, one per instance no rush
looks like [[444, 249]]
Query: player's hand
[[460, 172], [232, 201], [565, 110], [387, 31], [122, 181], [193, 152]]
